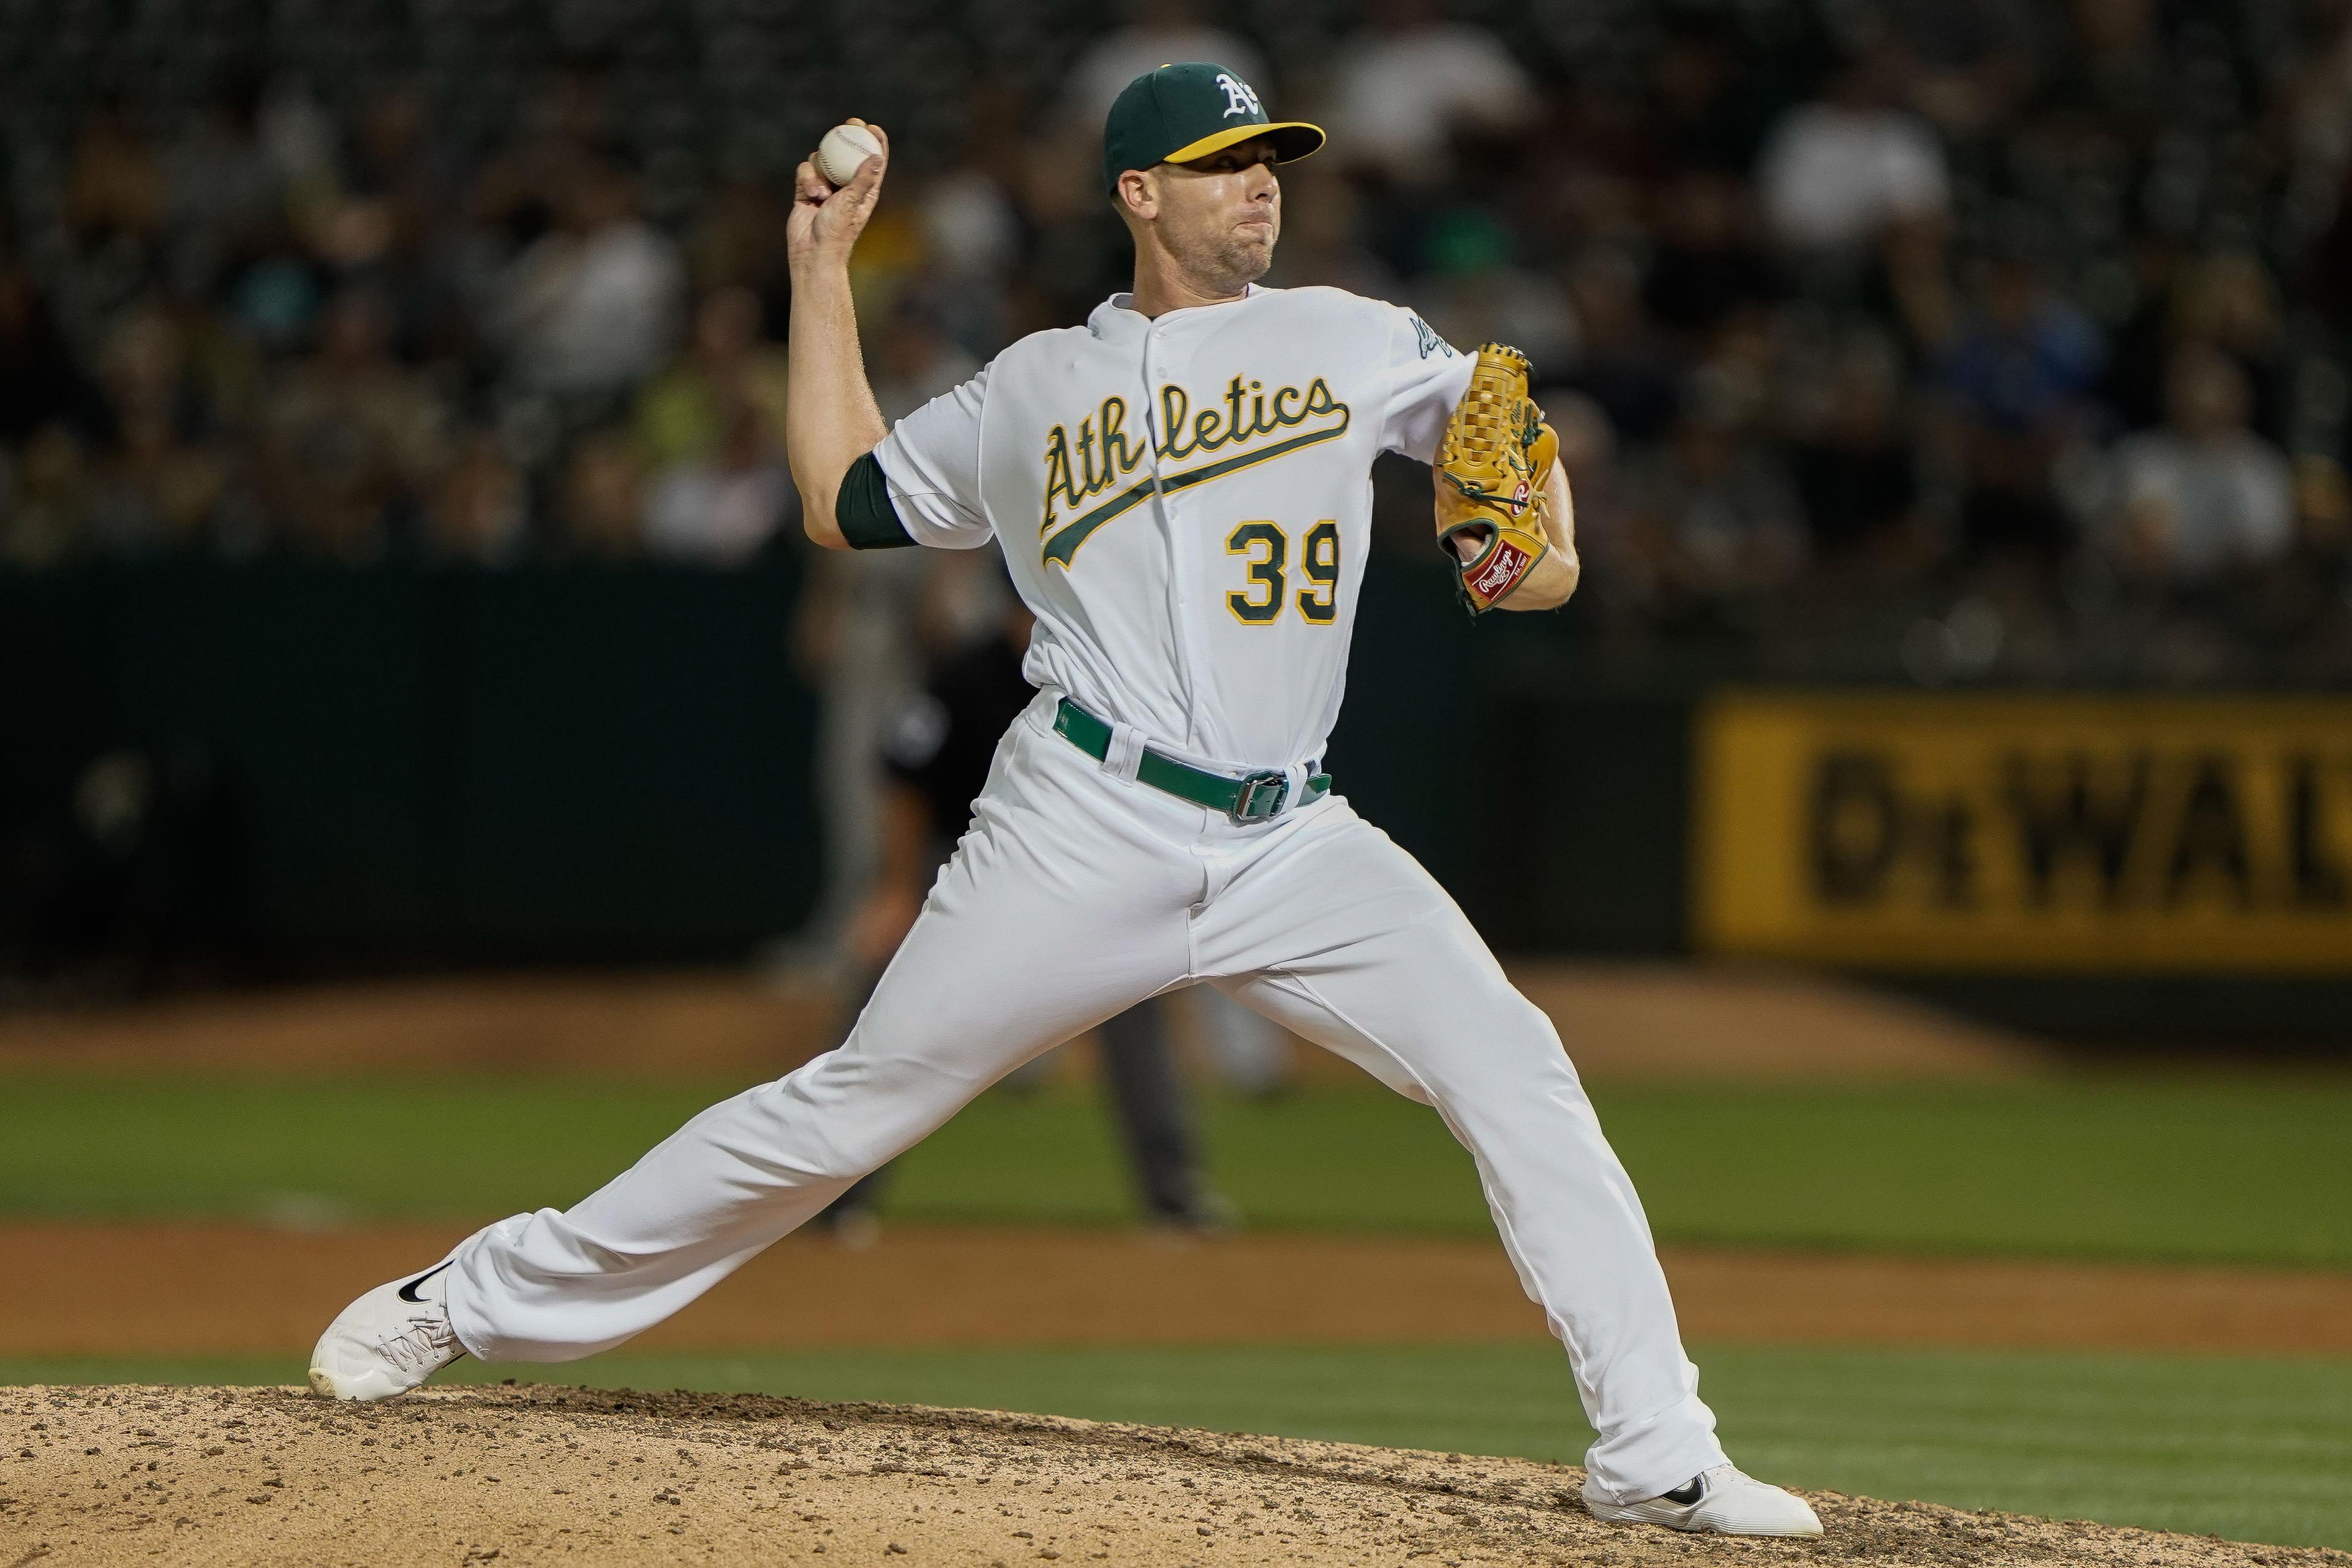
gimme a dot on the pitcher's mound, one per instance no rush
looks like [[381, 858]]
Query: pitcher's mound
[[549, 1475]]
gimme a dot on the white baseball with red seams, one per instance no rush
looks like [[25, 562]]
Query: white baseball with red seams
[[844, 151], [1185, 502]]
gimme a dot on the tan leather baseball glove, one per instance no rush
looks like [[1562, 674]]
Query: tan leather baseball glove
[[1491, 466]]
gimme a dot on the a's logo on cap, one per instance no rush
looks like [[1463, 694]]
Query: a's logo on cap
[[1239, 97]]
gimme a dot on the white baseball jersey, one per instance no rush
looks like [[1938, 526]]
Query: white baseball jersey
[[1185, 502]]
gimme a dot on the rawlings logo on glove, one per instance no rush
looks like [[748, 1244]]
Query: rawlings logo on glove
[[1491, 464], [1506, 564]]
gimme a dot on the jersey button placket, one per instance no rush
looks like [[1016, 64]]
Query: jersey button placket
[[1162, 363]]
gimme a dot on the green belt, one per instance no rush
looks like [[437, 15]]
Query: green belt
[[1254, 798]]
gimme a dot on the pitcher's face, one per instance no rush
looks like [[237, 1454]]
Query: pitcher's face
[[1219, 215]]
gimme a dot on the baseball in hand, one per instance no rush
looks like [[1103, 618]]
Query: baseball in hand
[[843, 152]]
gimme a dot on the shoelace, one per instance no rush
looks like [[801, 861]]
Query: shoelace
[[424, 1341]]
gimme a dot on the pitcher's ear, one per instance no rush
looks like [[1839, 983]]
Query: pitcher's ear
[[1139, 192]]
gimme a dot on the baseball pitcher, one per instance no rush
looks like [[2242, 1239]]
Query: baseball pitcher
[[1181, 487]]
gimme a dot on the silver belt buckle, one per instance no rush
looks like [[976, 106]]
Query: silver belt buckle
[[1273, 788]]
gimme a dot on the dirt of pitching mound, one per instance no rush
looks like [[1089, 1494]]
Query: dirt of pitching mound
[[102, 1476]]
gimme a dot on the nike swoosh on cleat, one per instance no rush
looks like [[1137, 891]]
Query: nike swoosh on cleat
[[408, 1291]]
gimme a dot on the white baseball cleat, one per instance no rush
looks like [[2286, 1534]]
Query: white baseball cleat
[[389, 1340], [1720, 1501]]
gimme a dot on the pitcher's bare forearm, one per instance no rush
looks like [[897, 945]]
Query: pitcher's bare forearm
[[831, 419], [1555, 576]]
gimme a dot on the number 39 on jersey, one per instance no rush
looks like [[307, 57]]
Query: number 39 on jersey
[[1265, 547]]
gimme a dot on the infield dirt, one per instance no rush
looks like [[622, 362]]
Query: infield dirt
[[108, 1475], [212, 1288]]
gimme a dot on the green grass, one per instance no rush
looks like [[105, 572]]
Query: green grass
[[2255, 1450], [2217, 1168], [2208, 1168]]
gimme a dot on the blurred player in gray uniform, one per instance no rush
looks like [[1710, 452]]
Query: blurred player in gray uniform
[[935, 755]]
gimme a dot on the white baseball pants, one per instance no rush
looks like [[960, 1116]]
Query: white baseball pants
[[1074, 895]]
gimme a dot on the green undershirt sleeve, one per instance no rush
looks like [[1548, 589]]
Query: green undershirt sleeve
[[863, 510]]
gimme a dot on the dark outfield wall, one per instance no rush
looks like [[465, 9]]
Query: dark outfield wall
[[585, 763], [434, 765], [403, 767], [430, 766]]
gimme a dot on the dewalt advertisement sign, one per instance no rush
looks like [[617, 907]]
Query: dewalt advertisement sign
[[2027, 832]]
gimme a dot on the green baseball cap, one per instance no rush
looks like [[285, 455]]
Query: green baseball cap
[[1180, 112]]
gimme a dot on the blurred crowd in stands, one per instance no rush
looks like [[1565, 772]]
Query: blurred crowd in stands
[[1965, 338]]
